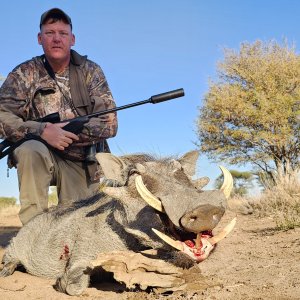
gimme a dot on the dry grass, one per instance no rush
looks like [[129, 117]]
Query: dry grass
[[11, 210], [282, 203]]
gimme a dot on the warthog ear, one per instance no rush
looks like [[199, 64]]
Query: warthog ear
[[112, 166], [188, 162]]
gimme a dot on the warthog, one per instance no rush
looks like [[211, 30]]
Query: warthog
[[61, 243]]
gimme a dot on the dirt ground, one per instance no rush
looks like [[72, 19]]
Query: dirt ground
[[254, 262]]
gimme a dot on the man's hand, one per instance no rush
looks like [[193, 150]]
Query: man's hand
[[56, 137]]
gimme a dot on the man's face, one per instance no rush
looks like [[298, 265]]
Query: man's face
[[56, 40]]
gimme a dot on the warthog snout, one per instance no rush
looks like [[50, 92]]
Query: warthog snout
[[204, 217]]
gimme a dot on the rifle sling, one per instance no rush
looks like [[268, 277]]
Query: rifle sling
[[78, 87]]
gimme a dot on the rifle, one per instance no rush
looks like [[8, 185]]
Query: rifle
[[76, 125]]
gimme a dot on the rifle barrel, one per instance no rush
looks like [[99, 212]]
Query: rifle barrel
[[154, 99], [167, 96]]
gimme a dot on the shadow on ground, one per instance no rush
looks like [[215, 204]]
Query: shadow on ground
[[6, 234]]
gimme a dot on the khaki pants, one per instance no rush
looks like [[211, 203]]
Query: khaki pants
[[37, 169]]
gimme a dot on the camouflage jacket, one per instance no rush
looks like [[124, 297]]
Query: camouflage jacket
[[29, 93]]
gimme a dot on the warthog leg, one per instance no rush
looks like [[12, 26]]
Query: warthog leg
[[8, 269], [10, 264], [75, 279]]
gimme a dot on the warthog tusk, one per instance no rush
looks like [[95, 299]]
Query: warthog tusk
[[147, 195], [198, 253], [221, 235], [212, 241], [175, 244], [227, 185], [198, 240]]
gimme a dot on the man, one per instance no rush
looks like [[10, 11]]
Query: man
[[60, 81]]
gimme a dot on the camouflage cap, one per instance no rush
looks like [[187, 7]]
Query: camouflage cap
[[55, 13]]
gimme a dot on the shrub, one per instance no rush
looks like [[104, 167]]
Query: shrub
[[282, 203], [7, 201]]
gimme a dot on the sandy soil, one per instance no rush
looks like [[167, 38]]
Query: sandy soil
[[254, 262]]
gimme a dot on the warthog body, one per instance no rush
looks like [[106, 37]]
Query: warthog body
[[61, 243]]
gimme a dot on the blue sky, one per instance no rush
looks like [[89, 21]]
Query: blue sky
[[146, 48]]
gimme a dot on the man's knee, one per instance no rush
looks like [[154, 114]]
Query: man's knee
[[29, 211], [31, 148]]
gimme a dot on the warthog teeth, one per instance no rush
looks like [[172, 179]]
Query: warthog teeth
[[147, 195], [175, 244], [221, 235], [196, 253], [227, 185]]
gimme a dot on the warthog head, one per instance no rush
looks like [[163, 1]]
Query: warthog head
[[186, 210]]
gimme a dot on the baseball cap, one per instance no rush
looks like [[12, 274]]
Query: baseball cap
[[55, 13]]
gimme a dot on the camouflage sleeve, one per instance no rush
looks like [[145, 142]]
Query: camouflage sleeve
[[14, 102], [105, 126]]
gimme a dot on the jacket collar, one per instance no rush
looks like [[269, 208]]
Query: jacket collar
[[77, 59]]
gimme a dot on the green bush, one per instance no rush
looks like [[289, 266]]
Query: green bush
[[7, 201]]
